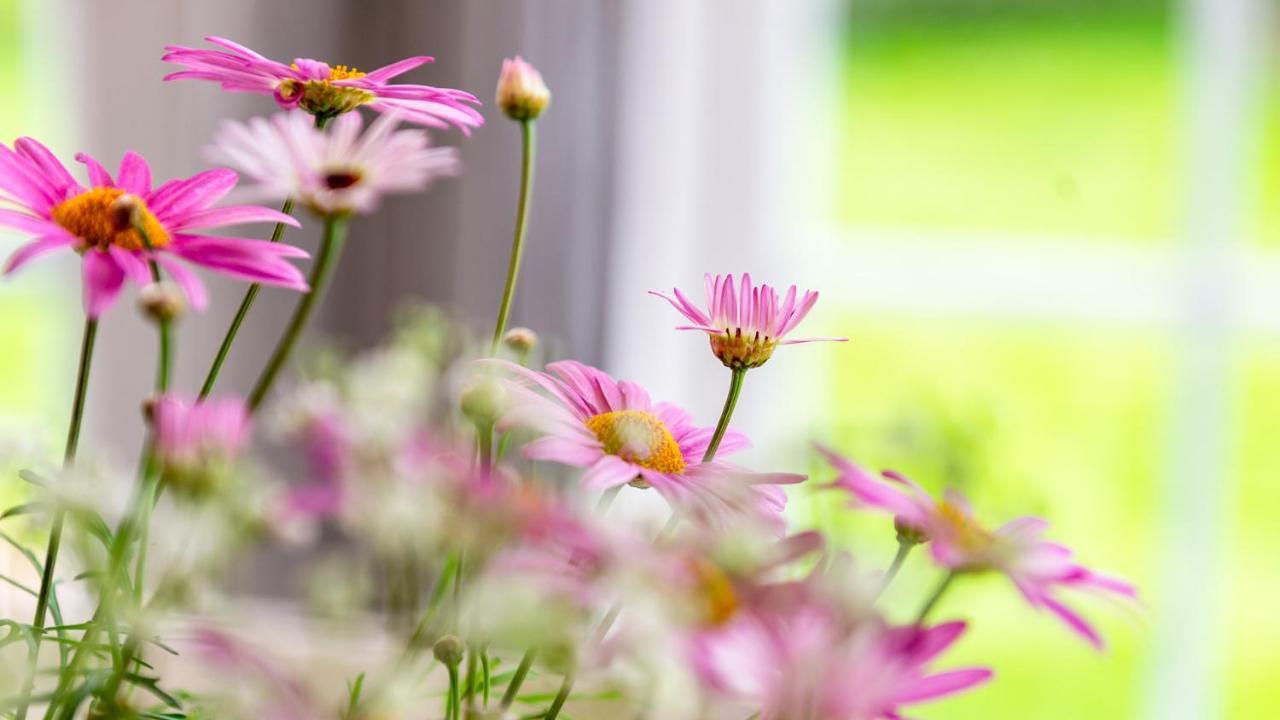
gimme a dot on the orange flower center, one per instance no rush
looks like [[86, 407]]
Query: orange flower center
[[638, 437], [101, 219], [714, 591]]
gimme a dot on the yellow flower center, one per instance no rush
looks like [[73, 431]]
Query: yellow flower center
[[714, 591], [101, 219], [638, 437], [965, 531], [321, 97]]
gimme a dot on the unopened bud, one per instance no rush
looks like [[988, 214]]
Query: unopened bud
[[909, 534], [162, 301], [520, 340], [126, 211], [522, 94], [449, 650], [484, 402]]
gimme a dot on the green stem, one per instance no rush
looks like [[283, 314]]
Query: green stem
[[517, 680], [249, 296], [566, 687], [484, 437], [59, 516], [522, 221], [335, 230], [469, 685], [730, 402], [452, 704], [904, 548], [935, 597], [486, 673]]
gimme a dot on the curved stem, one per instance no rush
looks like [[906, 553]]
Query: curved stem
[[935, 597], [566, 687], [335, 231], [517, 680], [904, 548], [522, 220], [249, 296], [87, 343], [730, 402]]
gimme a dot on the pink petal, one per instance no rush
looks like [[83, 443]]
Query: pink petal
[[35, 249], [135, 174], [943, 684], [609, 471], [230, 215], [98, 175], [103, 280], [563, 450]]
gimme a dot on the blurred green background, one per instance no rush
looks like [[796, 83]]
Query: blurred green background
[[1047, 122]]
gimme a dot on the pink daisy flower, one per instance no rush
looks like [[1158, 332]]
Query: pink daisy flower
[[196, 441], [804, 663], [614, 430], [325, 90], [745, 323], [100, 223], [958, 542], [334, 173]]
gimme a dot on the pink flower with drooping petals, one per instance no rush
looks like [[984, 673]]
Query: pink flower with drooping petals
[[958, 542], [325, 90], [804, 663], [614, 430], [745, 322], [333, 173], [197, 441], [100, 222]]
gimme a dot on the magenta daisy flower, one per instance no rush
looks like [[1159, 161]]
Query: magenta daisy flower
[[101, 222], [958, 542], [197, 441], [614, 430], [325, 90], [745, 322], [334, 172], [803, 662]]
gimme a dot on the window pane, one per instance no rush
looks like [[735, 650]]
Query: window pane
[[1047, 117]]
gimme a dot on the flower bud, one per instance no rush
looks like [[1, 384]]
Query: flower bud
[[521, 340], [162, 301], [127, 211], [909, 534], [522, 94], [449, 650], [484, 402]]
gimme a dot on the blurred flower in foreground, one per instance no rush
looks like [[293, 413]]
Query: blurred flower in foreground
[[333, 173], [120, 224], [522, 94], [324, 90], [614, 430], [746, 323], [959, 543], [803, 663], [197, 441]]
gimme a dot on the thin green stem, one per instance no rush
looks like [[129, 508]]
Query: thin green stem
[[517, 680], [566, 687], [606, 500], [59, 516], [935, 597], [469, 685], [335, 230], [904, 549], [730, 402], [452, 704], [522, 220], [249, 296], [486, 673], [484, 438]]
